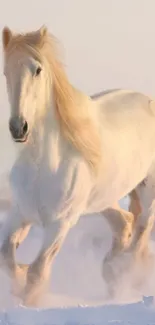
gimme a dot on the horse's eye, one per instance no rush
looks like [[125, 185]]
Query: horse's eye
[[38, 70]]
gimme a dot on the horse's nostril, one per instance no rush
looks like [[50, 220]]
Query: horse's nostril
[[18, 128], [25, 128]]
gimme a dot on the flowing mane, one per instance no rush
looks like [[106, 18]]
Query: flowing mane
[[73, 109]]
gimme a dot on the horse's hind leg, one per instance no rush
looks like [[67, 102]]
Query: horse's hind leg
[[145, 222], [134, 205], [143, 259], [122, 224]]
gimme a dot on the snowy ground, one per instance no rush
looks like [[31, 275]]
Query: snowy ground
[[78, 293]]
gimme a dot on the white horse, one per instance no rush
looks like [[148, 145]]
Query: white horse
[[77, 155]]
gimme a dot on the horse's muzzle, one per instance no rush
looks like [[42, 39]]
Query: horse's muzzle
[[18, 127]]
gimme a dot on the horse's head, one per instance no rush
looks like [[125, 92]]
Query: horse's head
[[27, 79], [37, 83]]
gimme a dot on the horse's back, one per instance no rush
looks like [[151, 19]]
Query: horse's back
[[115, 97], [103, 93], [125, 107], [127, 117]]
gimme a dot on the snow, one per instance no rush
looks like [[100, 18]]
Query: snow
[[77, 290], [107, 44], [131, 314]]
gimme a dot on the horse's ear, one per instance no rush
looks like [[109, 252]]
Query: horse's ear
[[6, 36], [43, 31]]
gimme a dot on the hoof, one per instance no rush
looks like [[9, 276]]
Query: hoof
[[19, 279], [23, 267]]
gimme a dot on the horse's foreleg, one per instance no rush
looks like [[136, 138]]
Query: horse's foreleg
[[39, 271], [22, 234], [10, 233]]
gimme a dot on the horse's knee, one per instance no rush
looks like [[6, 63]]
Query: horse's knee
[[23, 232]]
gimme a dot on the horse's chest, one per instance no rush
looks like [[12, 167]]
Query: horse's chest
[[36, 190]]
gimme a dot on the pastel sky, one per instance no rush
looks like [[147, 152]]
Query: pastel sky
[[106, 44]]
